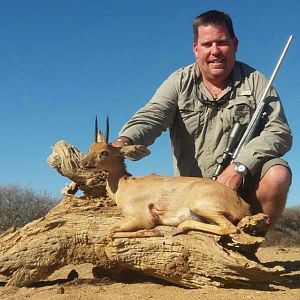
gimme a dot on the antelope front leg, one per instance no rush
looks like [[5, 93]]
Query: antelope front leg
[[132, 228]]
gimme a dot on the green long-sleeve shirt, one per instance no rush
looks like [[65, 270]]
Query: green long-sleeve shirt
[[199, 132]]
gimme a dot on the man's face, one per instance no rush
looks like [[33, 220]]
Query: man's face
[[215, 52]]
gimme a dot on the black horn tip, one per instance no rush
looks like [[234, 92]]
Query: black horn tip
[[107, 130], [96, 129]]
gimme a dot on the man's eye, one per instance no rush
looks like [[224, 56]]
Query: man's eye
[[104, 153], [206, 45], [222, 43]]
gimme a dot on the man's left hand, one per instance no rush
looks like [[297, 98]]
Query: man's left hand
[[230, 178]]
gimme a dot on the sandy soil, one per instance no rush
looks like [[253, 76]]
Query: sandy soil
[[87, 287]]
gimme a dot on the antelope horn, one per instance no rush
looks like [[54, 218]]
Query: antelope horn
[[107, 130], [96, 130]]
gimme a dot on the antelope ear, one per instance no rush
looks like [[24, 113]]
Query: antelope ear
[[134, 152]]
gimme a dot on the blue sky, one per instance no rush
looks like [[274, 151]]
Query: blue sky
[[62, 62]]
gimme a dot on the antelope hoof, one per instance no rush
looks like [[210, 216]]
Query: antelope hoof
[[112, 231], [110, 234], [177, 231]]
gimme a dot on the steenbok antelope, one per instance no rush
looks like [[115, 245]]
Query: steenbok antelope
[[186, 202]]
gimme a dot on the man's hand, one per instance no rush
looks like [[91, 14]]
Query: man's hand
[[230, 178], [122, 141], [135, 152]]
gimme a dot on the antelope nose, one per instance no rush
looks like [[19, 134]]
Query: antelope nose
[[84, 163]]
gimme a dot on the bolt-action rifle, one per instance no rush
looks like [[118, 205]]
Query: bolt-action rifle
[[237, 139]]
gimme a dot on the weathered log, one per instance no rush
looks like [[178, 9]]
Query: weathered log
[[65, 159], [75, 232]]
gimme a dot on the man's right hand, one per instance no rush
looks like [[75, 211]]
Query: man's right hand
[[122, 141], [230, 178]]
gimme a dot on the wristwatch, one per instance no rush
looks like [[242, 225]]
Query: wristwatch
[[241, 169]]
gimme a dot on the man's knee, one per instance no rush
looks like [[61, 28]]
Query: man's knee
[[269, 194], [279, 177], [272, 192]]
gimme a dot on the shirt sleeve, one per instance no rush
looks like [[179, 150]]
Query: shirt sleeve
[[157, 116], [275, 138]]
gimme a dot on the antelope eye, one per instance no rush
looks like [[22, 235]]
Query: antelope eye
[[104, 153]]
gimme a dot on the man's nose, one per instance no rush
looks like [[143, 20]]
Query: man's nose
[[215, 48]]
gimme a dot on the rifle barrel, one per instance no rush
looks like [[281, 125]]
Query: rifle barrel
[[246, 137]]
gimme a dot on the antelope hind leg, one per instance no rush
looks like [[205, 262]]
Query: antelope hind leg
[[222, 225], [188, 225]]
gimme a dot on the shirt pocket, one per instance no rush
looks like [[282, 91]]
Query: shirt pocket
[[192, 116], [239, 110]]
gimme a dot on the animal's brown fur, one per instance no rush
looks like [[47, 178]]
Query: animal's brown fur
[[150, 200]]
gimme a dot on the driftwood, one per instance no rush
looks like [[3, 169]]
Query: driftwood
[[65, 159], [75, 232]]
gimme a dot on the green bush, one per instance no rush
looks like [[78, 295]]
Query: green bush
[[20, 205], [286, 231]]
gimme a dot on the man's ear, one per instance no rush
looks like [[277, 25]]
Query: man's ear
[[195, 50], [134, 152], [235, 43]]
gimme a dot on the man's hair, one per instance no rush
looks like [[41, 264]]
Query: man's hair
[[212, 17]]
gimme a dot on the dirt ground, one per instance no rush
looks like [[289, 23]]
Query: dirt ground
[[87, 287]]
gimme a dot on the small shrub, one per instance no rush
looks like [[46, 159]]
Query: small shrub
[[20, 205]]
